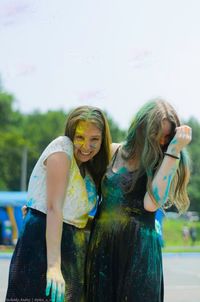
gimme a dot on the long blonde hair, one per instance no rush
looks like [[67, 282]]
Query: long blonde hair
[[142, 143]]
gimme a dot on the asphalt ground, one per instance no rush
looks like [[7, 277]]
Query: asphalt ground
[[181, 275]]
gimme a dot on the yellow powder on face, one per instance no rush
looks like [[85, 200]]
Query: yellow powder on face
[[82, 127], [84, 132]]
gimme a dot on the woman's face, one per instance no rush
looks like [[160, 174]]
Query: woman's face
[[87, 141], [166, 132]]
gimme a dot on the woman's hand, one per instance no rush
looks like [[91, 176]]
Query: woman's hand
[[55, 285], [24, 211], [181, 139]]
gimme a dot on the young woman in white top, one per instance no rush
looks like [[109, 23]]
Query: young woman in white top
[[48, 261]]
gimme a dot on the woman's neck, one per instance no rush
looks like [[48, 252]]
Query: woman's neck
[[82, 170]]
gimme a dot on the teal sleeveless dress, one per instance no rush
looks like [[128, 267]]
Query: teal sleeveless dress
[[124, 261]]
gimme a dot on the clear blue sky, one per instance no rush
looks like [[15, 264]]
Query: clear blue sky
[[108, 53]]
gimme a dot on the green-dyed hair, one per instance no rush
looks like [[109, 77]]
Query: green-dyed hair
[[142, 143], [97, 166]]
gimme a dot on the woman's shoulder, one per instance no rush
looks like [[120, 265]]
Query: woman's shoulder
[[60, 144], [61, 141], [114, 147]]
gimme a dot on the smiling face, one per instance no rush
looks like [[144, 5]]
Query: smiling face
[[87, 141], [166, 132]]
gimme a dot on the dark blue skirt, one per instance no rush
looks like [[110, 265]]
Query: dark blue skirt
[[27, 275]]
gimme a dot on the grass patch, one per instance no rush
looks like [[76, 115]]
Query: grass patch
[[181, 249], [4, 249], [173, 234]]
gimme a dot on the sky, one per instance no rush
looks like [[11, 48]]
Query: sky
[[108, 53]]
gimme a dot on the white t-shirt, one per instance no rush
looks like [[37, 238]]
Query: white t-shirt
[[81, 195]]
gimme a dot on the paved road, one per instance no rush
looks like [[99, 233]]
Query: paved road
[[181, 272], [182, 277]]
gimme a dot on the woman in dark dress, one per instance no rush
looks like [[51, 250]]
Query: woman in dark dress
[[149, 170]]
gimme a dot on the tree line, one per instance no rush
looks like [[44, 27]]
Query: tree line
[[24, 136]]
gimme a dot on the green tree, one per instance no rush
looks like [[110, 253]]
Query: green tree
[[39, 129], [9, 118], [194, 150], [11, 147], [118, 135], [11, 143]]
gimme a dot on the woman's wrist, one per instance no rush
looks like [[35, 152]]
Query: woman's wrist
[[171, 155], [173, 152]]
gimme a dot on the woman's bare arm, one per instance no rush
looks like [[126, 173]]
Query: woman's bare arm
[[163, 178], [58, 166]]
